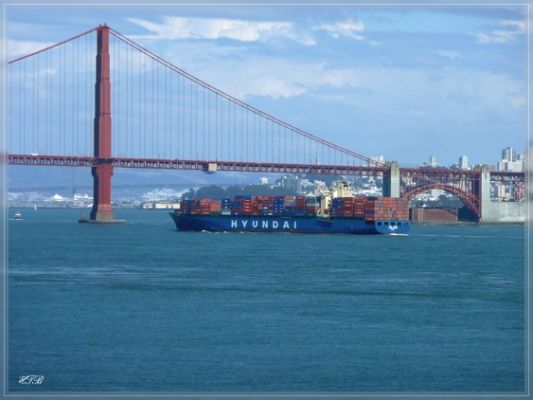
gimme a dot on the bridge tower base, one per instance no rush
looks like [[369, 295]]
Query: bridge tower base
[[102, 212], [391, 181]]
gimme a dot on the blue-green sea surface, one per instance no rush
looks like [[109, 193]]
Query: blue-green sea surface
[[142, 307]]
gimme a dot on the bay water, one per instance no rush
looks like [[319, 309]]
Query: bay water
[[142, 307]]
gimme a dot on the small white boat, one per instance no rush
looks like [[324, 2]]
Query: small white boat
[[18, 215]]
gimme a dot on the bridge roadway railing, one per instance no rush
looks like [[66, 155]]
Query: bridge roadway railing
[[422, 173], [198, 165]]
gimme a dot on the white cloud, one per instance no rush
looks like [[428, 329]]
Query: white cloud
[[173, 28], [458, 93], [449, 54], [18, 48], [249, 76], [495, 37], [510, 29], [518, 25], [274, 87], [462, 94], [348, 28]]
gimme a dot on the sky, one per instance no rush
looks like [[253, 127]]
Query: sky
[[402, 82]]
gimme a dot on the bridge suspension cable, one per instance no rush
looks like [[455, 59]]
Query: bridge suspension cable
[[159, 111], [51, 98], [256, 112]]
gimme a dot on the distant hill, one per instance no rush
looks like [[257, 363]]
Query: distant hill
[[26, 177], [65, 180]]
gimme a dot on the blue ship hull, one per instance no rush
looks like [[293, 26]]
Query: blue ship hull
[[241, 223]]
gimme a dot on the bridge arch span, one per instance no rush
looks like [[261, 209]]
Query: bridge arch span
[[471, 201]]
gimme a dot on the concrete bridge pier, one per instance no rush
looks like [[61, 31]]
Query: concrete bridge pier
[[498, 211], [484, 192], [391, 181]]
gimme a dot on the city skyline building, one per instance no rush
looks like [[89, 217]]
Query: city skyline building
[[509, 154], [463, 162], [511, 161]]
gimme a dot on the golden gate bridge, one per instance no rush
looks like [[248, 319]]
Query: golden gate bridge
[[101, 100]]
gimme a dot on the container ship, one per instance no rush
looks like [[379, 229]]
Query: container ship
[[295, 214]]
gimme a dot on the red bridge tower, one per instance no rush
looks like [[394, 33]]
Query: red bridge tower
[[103, 167]]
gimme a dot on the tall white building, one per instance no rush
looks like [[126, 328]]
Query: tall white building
[[511, 161], [463, 162], [433, 161], [509, 154]]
